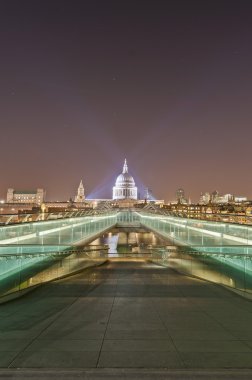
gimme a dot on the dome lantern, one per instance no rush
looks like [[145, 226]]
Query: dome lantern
[[125, 167]]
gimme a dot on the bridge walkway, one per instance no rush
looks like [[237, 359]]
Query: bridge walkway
[[127, 314]]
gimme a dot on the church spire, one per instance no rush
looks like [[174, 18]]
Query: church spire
[[125, 167], [80, 197]]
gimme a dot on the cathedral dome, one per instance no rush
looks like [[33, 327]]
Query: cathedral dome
[[125, 185], [125, 179]]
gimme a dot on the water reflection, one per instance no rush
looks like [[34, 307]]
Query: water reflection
[[129, 241]]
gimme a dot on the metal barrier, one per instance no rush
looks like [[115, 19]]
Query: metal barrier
[[197, 232], [230, 266], [32, 267]]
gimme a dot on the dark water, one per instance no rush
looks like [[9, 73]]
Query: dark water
[[129, 241]]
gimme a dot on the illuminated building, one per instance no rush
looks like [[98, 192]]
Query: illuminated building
[[216, 198], [80, 197], [148, 196], [180, 196], [240, 199], [27, 196], [125, 185], [204, 198]]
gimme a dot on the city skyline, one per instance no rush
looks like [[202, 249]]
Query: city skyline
[[165, 84], [180, 194]]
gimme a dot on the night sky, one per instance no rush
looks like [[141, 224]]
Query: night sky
[[166, 84]]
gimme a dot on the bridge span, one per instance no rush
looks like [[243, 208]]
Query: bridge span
[[147, 306], [207, 249]]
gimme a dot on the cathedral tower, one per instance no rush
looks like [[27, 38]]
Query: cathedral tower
[[80, 197]]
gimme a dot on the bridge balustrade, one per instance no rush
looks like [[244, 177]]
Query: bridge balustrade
[[197, 232], [23, 267], [230, 266], [64, 231], [30, 248]]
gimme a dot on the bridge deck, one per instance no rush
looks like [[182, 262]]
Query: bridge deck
[[127, 315]]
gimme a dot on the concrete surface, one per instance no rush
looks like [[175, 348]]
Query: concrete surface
[[130, 320]]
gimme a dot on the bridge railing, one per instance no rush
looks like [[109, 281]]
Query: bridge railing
[[232, 218], [68, 231], [197, 232], [35, 252], [230, 266], [8, 219], [27, 266]]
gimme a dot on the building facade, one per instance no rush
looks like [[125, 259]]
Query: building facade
[[125, 185], [180, 196], [26, 196], [205, 198], [216, 198]]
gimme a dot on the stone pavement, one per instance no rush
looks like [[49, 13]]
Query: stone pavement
[[122, 318]]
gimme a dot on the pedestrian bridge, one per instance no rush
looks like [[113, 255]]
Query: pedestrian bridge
[[33, 252], [75, 229], [146, 309]]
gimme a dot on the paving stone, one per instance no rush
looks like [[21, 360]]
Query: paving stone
[[212, 346], [56, 359], [73, 334], [65, 345], [138, 345], [138, 359], [137, 334], [196, 334], [217, 359], [6, 357], [13, 344], [131, 325]]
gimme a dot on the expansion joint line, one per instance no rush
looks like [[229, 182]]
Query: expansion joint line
[[105, 332]]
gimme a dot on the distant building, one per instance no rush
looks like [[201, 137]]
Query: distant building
[[26, 196], [216, 198], [148, 196], [125, 185], [180, 196], [80, 197], [240, 199], [204, 198], [226, 198]]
